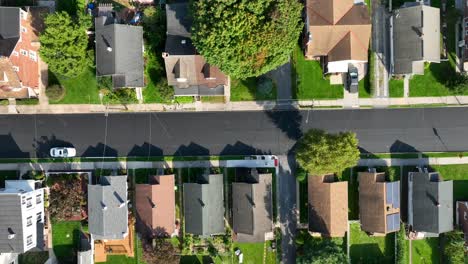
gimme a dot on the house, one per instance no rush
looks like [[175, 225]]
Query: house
[[415, 38], [338, 33], [430, 204], [85, 252], [187, 71], [462, 6], [21, 216], [462, 218], [155, 204], [108, 218], [252, 215], [20, 66], [119, 53], [328, 206], [379, 203], [203, 205]]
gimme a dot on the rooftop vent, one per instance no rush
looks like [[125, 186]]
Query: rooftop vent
[[122, 204], [183, 41], [11, 236], [104, 206], [109, 49]]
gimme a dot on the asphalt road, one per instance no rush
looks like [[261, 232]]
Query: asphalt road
[[213, 133]]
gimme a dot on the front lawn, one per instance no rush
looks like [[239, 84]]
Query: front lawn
[[253, 89], [426, 251], [367, 249], [396, 87], [65, 239], [310, 83], [459, 174], [82, 89], [254, 253]]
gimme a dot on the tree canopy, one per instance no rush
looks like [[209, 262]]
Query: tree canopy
[[246, 38], [320, 153], [64, 43], [318, 251]]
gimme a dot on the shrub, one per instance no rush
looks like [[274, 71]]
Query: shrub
[[55, 92]]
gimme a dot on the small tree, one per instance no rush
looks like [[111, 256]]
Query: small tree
[[154, 24], [321, 153], [64, 43], [246, 38]]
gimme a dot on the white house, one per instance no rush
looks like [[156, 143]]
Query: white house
[[21, 216]]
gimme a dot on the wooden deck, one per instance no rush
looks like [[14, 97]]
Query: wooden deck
[[115, 247]]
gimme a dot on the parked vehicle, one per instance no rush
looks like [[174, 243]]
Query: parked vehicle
[[62, 152], [352, 79]]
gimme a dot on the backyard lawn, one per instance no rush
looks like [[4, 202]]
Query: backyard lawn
[[65, 238], [426, 251], [367, 250], [253, 253], [396, 88], [82, 89], [310, 83], [457, 173], [251, 89]]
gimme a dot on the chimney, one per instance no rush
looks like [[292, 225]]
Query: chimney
[[104, 206]]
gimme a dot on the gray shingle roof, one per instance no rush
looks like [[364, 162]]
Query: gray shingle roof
[[9, 29], [179, 23], [10, 218], [111, 194], [203, 206], [431, 203], [119, 52], [251, 208], [416, 38]]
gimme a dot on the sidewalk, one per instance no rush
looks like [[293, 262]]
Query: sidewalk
[[231, 106]]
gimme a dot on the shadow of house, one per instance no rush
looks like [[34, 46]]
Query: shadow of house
[[240, 148], [193, 149], [44, 144], [10, 148], [366, 253], [252, 206], [100, 150], [289, 122], [145, 150]]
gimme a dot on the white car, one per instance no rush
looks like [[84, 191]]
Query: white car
[[62, 152]]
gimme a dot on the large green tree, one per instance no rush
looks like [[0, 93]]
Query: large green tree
[[320, 153], [64, 43], [246, 38], [319, 251]]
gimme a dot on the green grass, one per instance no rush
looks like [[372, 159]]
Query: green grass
[[389, 156], [65, 239], [418, 105], [426, 251], [119, 259], [444, 154], [29, 101], [82, 89], [154, 75], [459, 174], [367, 250], [212, 99], [366, 88], [396, 87], [198, 259], [303, 198], [33, 257], [253, 253], [184, 99], [246, 90], [71, 6], [310, 83]]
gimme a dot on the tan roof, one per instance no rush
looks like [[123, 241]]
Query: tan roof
[[155, 204], [328, 206], [339, 29]]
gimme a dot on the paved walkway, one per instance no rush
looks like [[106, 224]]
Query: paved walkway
[[230, 106], [406, 86], [282, 78]]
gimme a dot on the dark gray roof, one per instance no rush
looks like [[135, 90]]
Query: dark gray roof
[[416, 38], [9, 29], [431, 203], [179, 23], [251, 209], [203, 206], [10, 218], [119, 52], [112, 222]]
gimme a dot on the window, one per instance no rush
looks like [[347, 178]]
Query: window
[[15, 53], [38, 199], [24, 30], [16, 69], [29, 240], [24, 15], [29, 221], [39, 217], [29, 202], [32, 55], [24, 52]]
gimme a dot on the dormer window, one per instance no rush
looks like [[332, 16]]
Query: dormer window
[[24, 52], [24, 15], [38, 199]]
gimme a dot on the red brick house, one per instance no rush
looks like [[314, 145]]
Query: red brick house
[[20, 65]]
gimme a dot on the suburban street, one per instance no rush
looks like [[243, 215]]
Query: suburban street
[[229, 133]]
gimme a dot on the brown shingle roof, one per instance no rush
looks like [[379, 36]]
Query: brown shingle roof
[[339, 29], [328, 206], [373, 208], [155, 204]]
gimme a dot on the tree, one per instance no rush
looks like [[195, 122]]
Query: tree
[[454, 247], [246, 38], [65, 197], [320, 153], [154, 24], [325, 252], [64, 43], [160, 251]]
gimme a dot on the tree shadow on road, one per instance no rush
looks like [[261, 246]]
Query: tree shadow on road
[[289, 122]]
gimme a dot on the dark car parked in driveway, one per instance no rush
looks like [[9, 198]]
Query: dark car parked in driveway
[[352, 79]]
